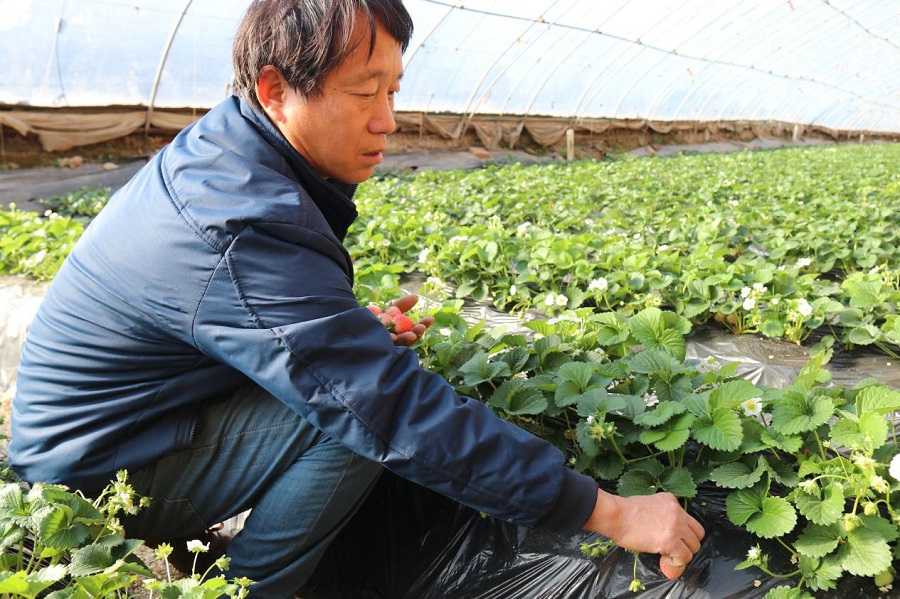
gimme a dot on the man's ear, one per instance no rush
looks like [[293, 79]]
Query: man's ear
[[271, 91]]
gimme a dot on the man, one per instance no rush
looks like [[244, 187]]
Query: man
[[204, 333]]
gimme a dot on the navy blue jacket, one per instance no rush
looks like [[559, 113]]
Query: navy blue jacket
[[221, 262]]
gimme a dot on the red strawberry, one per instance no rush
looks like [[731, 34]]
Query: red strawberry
[[670, 570], [401, 324], [393, 312], [376, 310]]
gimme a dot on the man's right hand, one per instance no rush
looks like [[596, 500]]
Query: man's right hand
[[649, 524]]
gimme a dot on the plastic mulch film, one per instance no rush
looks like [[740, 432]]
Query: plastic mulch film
[[762, 361], [775, 362], [407, 542], [19, 301]]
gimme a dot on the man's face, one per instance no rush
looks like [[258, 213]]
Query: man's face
[[343, 131]]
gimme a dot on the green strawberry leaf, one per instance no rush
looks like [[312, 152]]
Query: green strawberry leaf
[[589, 444], [655, 329], [480, 370], [869, 432], [794, 413], [782, 472], [817, 540], [679, 482], [888, 531], [722, 431], [732, 393], [661, 413], [776, 518], [613, 330], [57, 533], [865, 553], [878, 398], [678, 432], [90, 559], [741, 505], [516, 358], [820, 574], [636, 482], [825, 507], [30, 584], [652, 436], [577, 376], [599, 401], [651, 361], [737, 475], [608, 466], [787, 443], [782, 592]]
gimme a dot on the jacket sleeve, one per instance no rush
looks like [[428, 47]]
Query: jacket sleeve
[[281, 309]]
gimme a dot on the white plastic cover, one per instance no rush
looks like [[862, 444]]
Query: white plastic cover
[[826, 63]]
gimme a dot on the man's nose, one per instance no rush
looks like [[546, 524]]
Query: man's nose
[[382, 121]]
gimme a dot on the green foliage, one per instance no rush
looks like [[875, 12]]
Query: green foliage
[[84, 202], [35, 246], [805, 465], [59, 544], [738, 239]]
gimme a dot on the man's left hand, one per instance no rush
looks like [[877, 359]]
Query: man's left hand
[[409, 338]]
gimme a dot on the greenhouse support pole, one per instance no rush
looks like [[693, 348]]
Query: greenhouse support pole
[[162, 64]]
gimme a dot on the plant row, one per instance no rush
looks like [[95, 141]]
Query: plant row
[[778, 243], [811, 468]]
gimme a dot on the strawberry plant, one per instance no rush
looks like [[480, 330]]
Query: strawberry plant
[[805, 467], [685, 233], [58, 544]]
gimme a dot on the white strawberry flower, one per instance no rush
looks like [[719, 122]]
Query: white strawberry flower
[[803, 307], [599, 284], [749, 303], [513, 290], [894, 468], [879, 485], [803, 262], [197, 546], [752, 407], [759, 288], [745, 292], [561, 300]]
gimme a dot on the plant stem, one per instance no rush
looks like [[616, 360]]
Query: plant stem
[[821, 447]]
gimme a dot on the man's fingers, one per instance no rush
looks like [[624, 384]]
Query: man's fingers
[[697, 528], [406, 302]]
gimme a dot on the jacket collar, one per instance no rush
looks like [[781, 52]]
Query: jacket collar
[[333, 198]]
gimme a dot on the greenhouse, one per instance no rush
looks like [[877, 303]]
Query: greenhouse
[[662, 238]]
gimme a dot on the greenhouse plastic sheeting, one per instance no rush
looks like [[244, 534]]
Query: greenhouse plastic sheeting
[[832, 64], [407, 542]]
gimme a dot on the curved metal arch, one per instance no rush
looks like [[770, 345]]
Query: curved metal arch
[[662, 59], [470, 109], [540, 88], [162, 64], [665, 90]]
